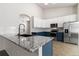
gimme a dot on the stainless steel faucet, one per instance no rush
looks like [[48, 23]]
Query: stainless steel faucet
[[25, 30], [27, 19], [21, 29]]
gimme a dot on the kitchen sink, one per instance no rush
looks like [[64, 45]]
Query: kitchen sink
[[25, 35]]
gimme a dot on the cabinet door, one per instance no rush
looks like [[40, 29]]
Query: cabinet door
[[60, 21], [69, 18], [40, 23], [59, 36], [37, 22], [72, 18], [47, 49], [45, 24]]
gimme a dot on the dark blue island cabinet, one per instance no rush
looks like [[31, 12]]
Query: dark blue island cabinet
[[47, 49]]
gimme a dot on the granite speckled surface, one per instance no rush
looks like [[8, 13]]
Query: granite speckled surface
[[31, 43]]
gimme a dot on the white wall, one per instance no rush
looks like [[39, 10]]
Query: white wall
[[9, 13], [57, 12], [78, 12]]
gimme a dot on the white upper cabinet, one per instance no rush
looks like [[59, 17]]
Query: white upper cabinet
[[69, 18], [40, 23], [37, 22], [60, 21], [45, 23]]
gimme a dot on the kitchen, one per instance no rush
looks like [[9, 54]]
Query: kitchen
[[28, 29]]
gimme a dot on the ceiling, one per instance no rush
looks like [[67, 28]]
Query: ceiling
[[53, 5]]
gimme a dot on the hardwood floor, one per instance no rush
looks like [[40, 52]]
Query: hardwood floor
[[65, 49]]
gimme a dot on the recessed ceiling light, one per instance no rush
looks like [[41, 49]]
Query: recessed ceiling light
[[45, 3]]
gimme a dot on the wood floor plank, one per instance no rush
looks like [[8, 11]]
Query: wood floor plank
[[65, 49]]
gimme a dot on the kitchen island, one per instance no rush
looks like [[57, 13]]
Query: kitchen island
[[32, 44]]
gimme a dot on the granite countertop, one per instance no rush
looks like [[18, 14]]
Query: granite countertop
[[31, 43]]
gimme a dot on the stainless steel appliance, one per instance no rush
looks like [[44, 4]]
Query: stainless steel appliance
[[66, 32], [54, 29], [69, 36]]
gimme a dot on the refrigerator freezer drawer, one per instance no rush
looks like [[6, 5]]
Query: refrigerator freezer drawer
[[74, 38]]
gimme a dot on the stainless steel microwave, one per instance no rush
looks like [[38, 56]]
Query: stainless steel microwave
[[54, 25]]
